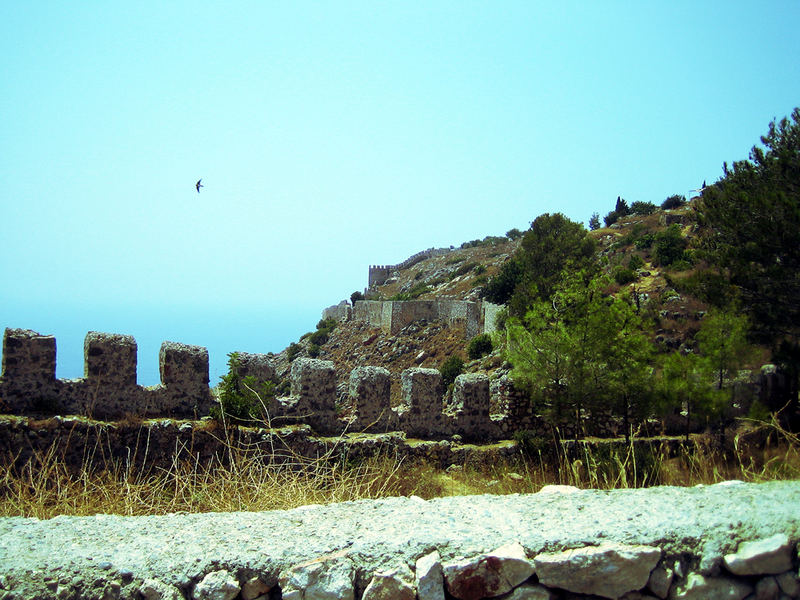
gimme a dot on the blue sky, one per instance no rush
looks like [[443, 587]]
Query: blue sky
[[333, 135]]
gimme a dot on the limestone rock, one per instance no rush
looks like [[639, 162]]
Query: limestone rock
[[153, 589], [769, 556], [609, 570], [254, 588], [558, 489], [530, 591], [488, 575], [698, 587], [324, 578], [660, 580], [430, 581], [217, 585], [390, 585]]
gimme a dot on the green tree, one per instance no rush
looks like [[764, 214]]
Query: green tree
[[451, 368], [669, 245], [723, 340], [752, 230], [579, 350], [242, 399], [553, 243], [594, 221], [686, 383]]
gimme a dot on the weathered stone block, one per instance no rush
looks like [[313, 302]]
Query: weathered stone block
[[769, 556], [470, 403], [217, 585], [608, 570], [313, 382], [326, 578], [369, 389], [698, 587], [259, 366], [109, 360], [421, 406], [429, 577], [29, 355], [488, 575], [394, 584]]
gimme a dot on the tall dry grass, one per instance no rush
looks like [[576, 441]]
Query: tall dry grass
[[245, 480]]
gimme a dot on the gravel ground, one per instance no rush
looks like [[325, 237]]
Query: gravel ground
[[38, 558]]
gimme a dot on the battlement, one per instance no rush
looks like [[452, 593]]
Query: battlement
[[378, 274], [108, 390]]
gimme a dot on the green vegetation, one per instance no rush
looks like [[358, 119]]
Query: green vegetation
[[479, 346], [451, 368], [675, 201], [241, 399]]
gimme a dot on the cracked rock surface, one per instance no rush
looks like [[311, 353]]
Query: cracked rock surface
[[117, 556]]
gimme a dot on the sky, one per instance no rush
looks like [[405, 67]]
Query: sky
[[334, 135]]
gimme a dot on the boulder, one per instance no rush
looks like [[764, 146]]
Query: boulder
[[390, 585], [429, 578], [217, 585], [609, 570], [488, 575], [698, 587], [769, 556]]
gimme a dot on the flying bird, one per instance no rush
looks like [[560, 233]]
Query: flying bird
[[198, 185]]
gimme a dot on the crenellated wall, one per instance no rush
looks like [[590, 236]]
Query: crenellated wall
[[108, 390], [378, 274]]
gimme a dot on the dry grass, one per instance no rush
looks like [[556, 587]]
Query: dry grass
[[244, 480]]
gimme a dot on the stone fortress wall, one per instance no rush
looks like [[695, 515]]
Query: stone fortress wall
[[108, 390], [392, 315], [378, 274], [477, 409]]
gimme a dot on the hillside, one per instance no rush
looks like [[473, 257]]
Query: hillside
[[460, 274]]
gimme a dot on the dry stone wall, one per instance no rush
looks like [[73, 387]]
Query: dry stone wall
[[392, 315], [726, 541]]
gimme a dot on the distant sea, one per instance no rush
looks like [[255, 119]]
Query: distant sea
[[221, 331]]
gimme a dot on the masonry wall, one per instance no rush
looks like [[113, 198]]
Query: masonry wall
[[475, 410], [393, 315]]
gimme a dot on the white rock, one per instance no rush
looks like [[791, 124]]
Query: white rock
[[153, 589], [321, 579], [217, 585], [530, 591], [660, 580], [609, 570], [430, 582], [769, 556], [558, 489], [390, 585], [698, 587], [254, 588], [488, 575]]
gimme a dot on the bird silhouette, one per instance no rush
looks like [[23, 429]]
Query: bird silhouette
[[198, 185]]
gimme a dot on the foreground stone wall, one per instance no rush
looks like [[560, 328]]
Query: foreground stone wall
[[726, 541]]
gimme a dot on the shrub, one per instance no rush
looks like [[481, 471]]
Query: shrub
[[241, 398], [319, 337], [500, 319], [327, 325], [623, 275], [465, 268], [450, 369], [645, 241], [635, 262], [513, 234], [479, 269], [292, 351], [594, 221], [355, 297], [313, 350], [643, 208], [611, 218], [479, 346], [669, 245], [674, 201]]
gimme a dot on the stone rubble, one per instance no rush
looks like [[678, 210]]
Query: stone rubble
[[770, 556]]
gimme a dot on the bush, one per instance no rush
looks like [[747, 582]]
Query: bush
[[479, 269], [319, 337], [292, 351], [644, 242], [624, 275], [355, 297], [643, 208], [241, 398], [635, 262], [513, 234], [594, 221], [675, 201], [313, 350], [479, 346], [450, 369], [500, 319], [463, 269], [669, 245], [611, 218]]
